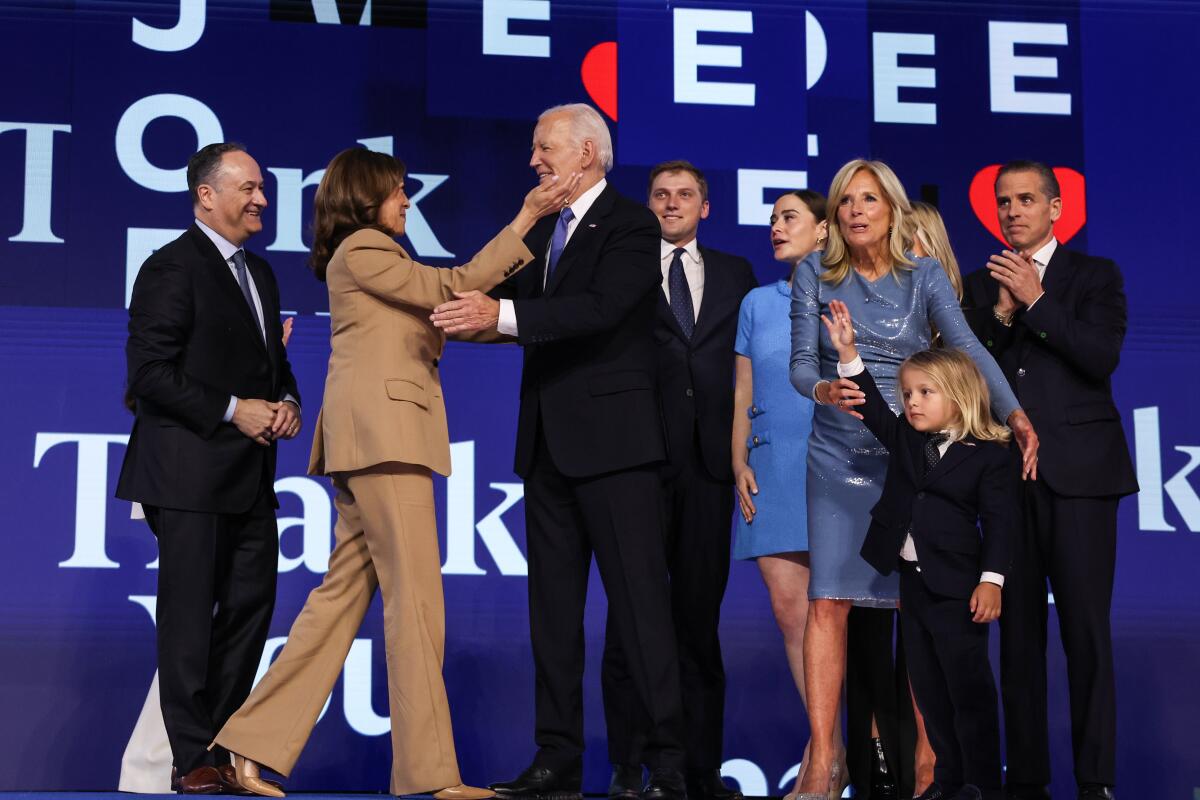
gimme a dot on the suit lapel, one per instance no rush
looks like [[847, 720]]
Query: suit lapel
[[538, 242], [955, 455], [583, 238], [228, 285], [1054, 283], [667, 316], [715, 287]]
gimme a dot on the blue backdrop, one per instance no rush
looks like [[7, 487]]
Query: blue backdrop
[[103, 102]]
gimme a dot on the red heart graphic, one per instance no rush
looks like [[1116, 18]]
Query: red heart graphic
[[599, 74], [1074, 202]]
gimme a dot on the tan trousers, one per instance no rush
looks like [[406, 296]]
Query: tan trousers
[[386, 536]]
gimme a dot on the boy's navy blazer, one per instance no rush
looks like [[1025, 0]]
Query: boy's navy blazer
[[974, 482]]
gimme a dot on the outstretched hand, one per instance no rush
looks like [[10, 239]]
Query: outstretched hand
[[472, 311]]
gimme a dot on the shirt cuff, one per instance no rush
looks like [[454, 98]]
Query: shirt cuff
[[855, 367], [992, 577], [507, 324], [287, 398], [1039, 297], [230, 409]]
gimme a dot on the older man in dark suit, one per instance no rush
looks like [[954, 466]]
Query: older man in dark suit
[[589, 445], [214, 392], [1055, 321], [702, 291]]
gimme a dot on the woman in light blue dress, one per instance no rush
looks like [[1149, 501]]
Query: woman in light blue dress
[[893, 299], [771, 426]]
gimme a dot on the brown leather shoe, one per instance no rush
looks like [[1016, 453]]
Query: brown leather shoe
[[201, 780]]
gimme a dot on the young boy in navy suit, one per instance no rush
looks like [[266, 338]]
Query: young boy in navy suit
[[950, 472]]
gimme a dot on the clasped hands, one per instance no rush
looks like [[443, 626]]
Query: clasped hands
[[264, 421], [1018, 277]]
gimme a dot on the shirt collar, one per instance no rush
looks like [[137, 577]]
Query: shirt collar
[[584, 202], [224, 246], [692, 248], [1046, 252]]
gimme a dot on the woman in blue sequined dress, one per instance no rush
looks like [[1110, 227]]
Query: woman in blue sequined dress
[[893, 299]]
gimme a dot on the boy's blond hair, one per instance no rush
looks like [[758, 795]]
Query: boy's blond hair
[[961, 381]]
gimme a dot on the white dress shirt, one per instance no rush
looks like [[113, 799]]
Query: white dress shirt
[[1040, 260], [507, 324], [693, 270], [227, 249], [908, 551]]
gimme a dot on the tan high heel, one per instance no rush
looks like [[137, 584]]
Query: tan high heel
[[463, 792], [246, 772]]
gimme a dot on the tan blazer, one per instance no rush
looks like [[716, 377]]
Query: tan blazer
[[383, 395]]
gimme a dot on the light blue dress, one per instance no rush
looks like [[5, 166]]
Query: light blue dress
[[846, 463], [780, 423]]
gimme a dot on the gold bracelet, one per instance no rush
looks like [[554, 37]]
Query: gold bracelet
[[1006, 321]]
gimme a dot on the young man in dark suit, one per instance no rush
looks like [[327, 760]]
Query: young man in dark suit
[[214, 392], [589, 446], [1055, 321], [697, 314]]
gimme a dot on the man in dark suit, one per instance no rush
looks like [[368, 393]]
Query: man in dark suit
[[1055, 321], [213, 392], [697, 315], [589, 444]]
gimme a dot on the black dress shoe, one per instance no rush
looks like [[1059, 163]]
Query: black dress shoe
[[707, 784], [883, 782], [626, 783], [934, 792], [1095, 791], [1025, 791], [542, 783], [665, 784]]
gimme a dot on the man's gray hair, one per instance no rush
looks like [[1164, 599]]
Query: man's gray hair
[[586, 124]]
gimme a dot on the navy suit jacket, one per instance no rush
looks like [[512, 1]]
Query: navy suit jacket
[[194, 342], [695, 376], [1059, 357], [589, 375], [974, 483]]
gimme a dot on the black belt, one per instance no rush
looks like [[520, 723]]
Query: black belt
[[908, 566]]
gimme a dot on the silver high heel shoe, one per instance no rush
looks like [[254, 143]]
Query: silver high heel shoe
[[835, 785]]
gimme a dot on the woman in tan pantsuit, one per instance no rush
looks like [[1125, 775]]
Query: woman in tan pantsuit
[[380, 435]]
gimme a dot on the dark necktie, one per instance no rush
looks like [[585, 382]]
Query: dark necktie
[[559, 240], [681, 295], [933, 453], [239, 265]]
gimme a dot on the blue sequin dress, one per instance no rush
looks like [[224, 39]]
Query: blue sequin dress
[[846, 463], [780, 423]]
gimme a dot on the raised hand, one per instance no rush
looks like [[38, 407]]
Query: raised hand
[[841, 330], [548, 197]]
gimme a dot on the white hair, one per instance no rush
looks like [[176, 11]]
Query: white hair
[[586, 124]]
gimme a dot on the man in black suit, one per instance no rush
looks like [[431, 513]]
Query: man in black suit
[[1055, 321], [702, 290], [213, 392], [589, 445]]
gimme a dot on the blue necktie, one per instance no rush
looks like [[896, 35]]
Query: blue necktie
[[239, 264], [681, 295], [559, 240]]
